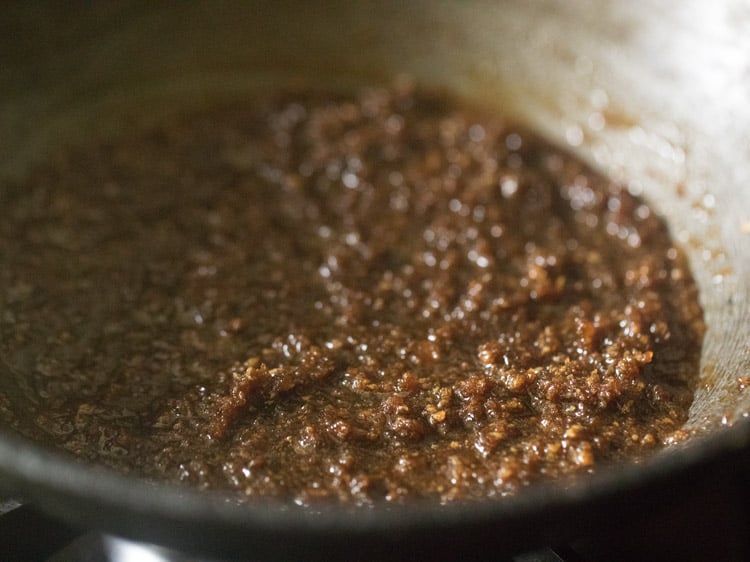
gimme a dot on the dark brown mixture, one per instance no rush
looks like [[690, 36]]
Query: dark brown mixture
[[365, 298]]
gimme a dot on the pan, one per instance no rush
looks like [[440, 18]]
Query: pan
[[653, 94]]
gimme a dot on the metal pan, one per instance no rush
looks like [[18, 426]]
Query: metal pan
[[654, 94]]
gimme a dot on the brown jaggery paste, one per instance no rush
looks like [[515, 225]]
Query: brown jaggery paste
[[377, 297]]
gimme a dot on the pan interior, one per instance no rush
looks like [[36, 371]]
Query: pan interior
[[584, 75]]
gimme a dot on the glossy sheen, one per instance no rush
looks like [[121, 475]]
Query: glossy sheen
[[378, 297]]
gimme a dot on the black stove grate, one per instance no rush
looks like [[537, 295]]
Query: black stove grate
[[27, 535], [712, 530]]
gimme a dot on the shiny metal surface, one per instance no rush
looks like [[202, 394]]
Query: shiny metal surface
[[655, 94]]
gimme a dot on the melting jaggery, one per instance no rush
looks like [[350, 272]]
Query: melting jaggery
[[378, 297]]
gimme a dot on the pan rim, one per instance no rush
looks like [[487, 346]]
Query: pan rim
[[94, 496]]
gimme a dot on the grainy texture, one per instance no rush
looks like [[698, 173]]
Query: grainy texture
[[380, 297]]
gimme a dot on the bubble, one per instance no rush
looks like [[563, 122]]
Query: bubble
[[513, 141], [596, 121], [599, 98], [574, 135], [350, 180], [508, 186], [476, 133]]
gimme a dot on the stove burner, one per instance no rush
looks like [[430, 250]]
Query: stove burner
[[122, 550]]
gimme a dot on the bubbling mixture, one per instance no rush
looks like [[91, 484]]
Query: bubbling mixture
[[378, 297]]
